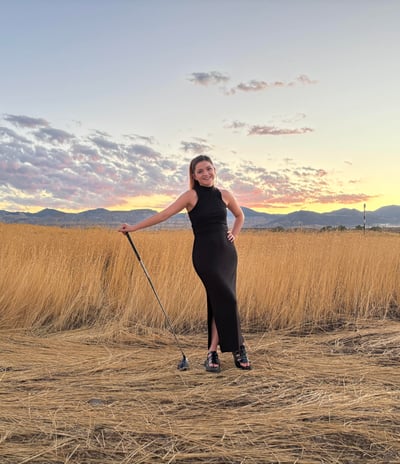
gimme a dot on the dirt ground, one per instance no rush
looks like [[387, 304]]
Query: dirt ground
[[93, 396]]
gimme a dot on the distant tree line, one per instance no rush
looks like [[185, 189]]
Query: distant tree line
[[339, 228]]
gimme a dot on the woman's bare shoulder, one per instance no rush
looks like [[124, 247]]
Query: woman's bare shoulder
[[191, 197], [227, 195]]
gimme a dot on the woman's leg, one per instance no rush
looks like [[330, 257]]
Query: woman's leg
[[214, 337], [212, 361]]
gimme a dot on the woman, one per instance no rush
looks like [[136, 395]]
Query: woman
[[214, 257]]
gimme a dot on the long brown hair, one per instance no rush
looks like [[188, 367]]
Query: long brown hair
[[192, 167]]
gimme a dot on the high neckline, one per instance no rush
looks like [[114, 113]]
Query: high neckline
[[205, 187]]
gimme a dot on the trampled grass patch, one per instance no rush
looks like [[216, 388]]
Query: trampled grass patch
[[97, 396]]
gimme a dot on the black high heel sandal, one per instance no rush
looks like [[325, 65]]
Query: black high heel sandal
[[240, 358], [212, 358]]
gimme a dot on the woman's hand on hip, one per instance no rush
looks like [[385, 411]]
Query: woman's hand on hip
[[230, 236]]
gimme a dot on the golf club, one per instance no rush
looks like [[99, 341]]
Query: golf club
[[183, 365]]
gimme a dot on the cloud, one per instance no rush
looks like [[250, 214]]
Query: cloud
[[103, 143], [257, 86], [144, 152], [235, 125], [9, 135], [305, 80], [208, 78], [145, 139], [266, 129], [195, 147], [25, 121], [293, 186], [58, 169], [53, 168], [253, 85], [271, 130], [50, 134]]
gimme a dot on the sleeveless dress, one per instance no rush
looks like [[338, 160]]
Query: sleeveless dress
[[215, 262]]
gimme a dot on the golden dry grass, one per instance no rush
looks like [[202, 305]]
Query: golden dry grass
[[62, 279], [96, 397], [88, 372]]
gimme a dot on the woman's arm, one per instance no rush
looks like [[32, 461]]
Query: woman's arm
[[236, 210], [183, 201]]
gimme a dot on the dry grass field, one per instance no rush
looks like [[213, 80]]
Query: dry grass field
[[88, 396], [70, 278], [88, 369]]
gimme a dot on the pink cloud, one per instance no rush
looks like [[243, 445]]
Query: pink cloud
[[90, 171]]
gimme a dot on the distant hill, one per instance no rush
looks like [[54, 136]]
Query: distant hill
[[387, 216]]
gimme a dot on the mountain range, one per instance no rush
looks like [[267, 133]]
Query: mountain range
[[387, 216]]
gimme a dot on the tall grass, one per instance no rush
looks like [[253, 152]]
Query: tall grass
[[291, 279], [58, 279]]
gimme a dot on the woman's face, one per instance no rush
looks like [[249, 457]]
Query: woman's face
[[204, 173]]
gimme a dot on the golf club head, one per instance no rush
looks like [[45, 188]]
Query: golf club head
[[183, 365]]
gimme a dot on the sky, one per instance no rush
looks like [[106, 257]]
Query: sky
[[103, 103]]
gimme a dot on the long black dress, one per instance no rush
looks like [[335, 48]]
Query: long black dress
[[215, 261]]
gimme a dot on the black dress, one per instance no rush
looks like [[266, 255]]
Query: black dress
[[215, 261]]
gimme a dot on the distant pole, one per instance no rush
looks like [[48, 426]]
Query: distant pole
[[364, 217]]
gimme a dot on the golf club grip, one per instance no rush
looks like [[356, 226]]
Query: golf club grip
[[133, 246]]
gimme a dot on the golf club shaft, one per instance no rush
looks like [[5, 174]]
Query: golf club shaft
[[155, 293]]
